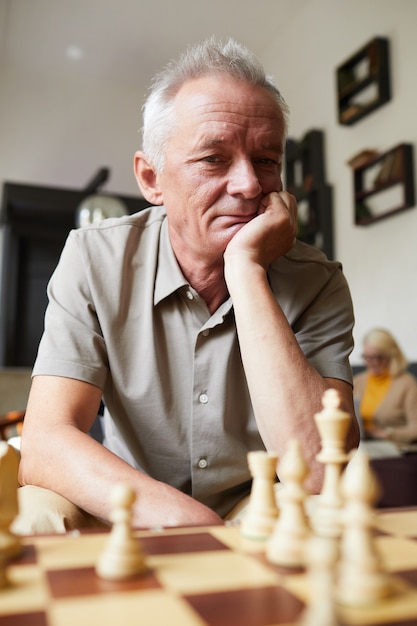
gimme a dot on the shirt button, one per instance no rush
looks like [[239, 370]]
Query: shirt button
[[203, 398], [189, 295], [206, 332], [202, 463]]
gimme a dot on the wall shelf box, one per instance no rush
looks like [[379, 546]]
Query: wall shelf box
[[384, 185], [304, 163], [315, 219], [363, 81], [305, 179]]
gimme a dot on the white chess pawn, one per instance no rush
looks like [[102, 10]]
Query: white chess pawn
[[287, 542], [321, 558], [361, 577], [10, 545], [262, 511], [122, 557]]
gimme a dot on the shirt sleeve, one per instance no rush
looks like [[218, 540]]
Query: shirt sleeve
[[315, 298], [72, 344]]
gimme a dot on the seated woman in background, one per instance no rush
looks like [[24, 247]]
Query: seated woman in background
[[386, 393]]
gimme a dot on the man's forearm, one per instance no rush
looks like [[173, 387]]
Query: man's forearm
[[285, 390], [84, 472]]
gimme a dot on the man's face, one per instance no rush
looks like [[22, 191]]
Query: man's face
[[223, 156]]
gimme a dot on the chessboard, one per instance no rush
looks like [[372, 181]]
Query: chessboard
[[198, 576]]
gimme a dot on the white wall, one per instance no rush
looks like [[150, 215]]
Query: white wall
[[60, 133], [46, 141], [379, 260]]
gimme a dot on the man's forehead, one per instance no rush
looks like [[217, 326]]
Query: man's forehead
[[225, 94], [212, 112]]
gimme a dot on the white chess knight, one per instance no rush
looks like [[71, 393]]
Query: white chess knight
[[262, 511], [122, 557]]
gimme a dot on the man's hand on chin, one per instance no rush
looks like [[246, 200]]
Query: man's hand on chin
[[270, 234]]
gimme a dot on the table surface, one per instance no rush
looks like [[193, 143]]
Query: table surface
[[200, 576]]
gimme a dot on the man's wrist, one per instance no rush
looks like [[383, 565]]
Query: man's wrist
[[238, 267]]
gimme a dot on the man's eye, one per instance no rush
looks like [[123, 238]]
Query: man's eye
[[212, 158], [267, 161]]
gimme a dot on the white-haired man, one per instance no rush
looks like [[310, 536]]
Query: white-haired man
[[207, 329]]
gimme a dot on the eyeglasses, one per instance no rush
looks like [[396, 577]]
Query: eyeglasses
[[374, 358]]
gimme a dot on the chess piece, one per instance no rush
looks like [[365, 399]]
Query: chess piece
[[122, 557], [333, 425], [10, 545], [262, 511], [286, 544], [361, 577], [4, 581], [321, 559]]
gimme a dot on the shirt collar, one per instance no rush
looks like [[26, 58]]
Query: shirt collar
[[169, 277]]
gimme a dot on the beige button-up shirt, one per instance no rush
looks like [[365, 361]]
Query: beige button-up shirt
[[122, 316]]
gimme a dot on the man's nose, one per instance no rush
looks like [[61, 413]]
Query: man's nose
[[243, 180]]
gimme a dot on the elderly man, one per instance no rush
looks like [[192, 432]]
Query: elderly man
[[205, 327]]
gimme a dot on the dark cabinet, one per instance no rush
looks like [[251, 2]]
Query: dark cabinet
[[35, 222]]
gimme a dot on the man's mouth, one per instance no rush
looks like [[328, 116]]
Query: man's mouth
[[233, 220]]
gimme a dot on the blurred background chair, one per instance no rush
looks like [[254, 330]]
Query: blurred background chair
[[14, 391]]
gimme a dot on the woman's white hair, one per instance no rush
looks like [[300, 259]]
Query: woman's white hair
[[383, 341], [207, 58]]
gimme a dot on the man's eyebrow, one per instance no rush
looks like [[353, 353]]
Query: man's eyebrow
[[210, 143], [215, 142], [275, 147]]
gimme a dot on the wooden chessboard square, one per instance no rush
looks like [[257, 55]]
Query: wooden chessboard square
[[26, 590], [410, 576], [153, 608], [28, 555], [233, 539], [70, 583], [260, 606], [397, 553], [68, 551], [207, 572], [24, 619], [398, 609], [176, 544], [401, 523]]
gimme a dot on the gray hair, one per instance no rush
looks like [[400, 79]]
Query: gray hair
[[207, 58]]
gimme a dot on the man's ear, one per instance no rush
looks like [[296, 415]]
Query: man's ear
[[147, 179]]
